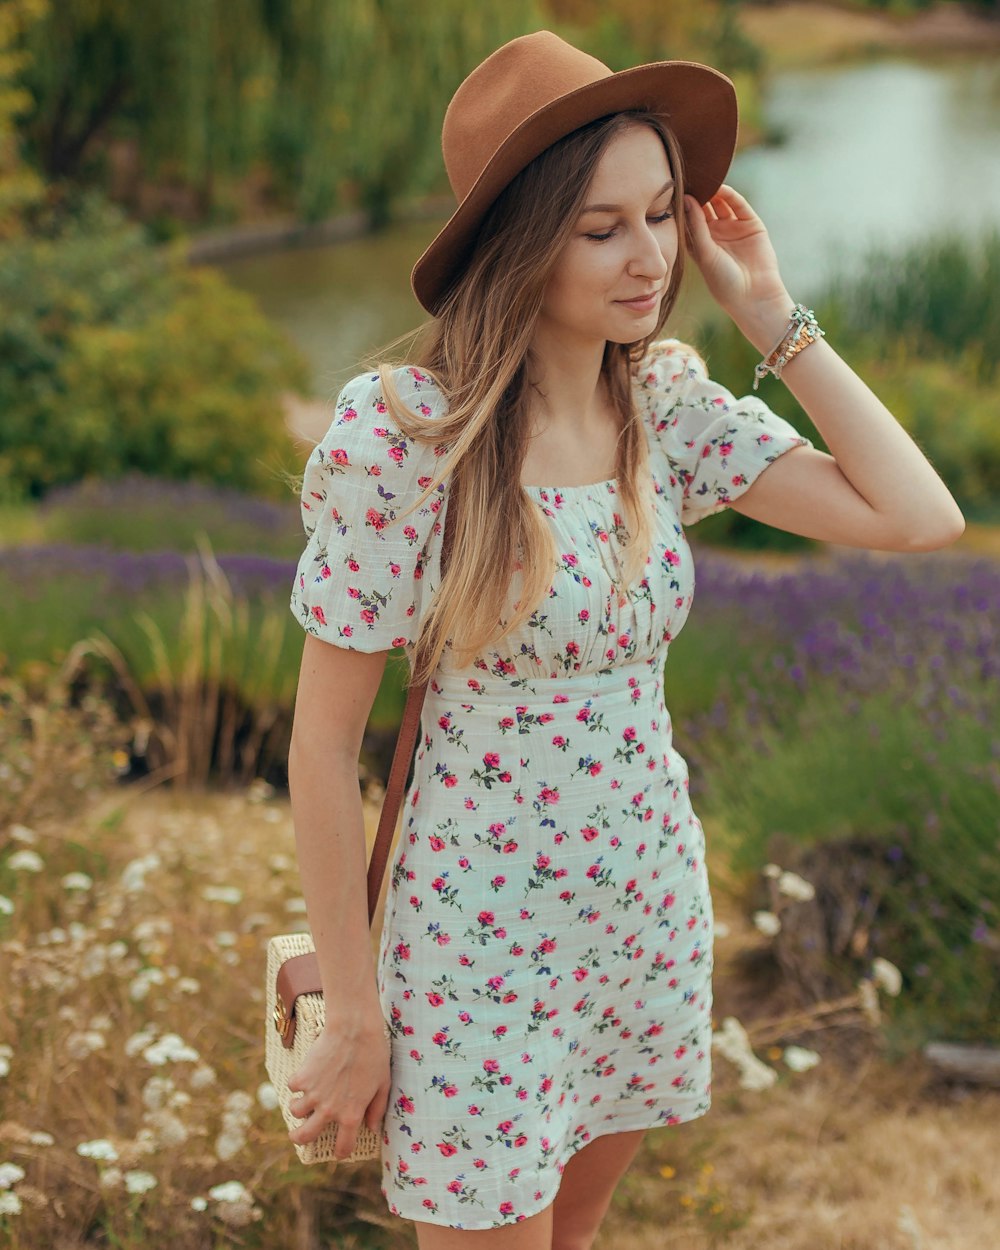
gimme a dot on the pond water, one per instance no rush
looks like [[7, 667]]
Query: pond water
[[880, 153]]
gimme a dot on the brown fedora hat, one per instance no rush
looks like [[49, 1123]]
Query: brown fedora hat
[[538, 88]]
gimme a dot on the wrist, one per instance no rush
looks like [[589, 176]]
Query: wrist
[[764, 322], [359, 1019]]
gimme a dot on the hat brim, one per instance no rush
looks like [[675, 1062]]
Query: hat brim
[[698, 102]]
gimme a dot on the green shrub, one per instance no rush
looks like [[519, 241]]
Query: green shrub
[[115, 356]]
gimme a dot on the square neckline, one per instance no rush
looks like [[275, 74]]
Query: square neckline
[[562, 490]]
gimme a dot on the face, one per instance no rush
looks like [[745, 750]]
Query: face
[[623, 246]]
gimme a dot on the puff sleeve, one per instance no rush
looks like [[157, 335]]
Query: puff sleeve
[[715, 445], [361, 583]]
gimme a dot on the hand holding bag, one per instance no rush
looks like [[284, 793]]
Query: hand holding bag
[[294, 1006]]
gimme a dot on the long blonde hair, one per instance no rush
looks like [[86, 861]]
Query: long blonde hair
[[477, 350]]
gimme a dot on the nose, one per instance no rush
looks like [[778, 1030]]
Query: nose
[[647, 261]]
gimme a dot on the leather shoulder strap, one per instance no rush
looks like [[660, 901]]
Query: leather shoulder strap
[[403, 755]]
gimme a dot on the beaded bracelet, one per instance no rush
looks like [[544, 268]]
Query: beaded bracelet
[[802, 329]]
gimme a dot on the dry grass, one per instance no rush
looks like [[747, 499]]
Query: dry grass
[[853, 1154]]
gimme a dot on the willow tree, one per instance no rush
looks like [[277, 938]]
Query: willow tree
[[20, 186], [341, 100]]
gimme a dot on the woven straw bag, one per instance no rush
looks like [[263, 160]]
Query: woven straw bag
[[294, 1007], [282, 1061]]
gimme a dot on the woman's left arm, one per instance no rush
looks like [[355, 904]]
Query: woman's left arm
[[876, 489]]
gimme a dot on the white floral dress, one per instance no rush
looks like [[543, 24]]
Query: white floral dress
[[545, 964]]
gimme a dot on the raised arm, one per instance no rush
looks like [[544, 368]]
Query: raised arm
[[876, 489]]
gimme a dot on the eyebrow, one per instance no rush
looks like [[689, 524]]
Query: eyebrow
[[618, 208]]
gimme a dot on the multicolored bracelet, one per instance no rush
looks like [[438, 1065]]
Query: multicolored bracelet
[[802, 329]]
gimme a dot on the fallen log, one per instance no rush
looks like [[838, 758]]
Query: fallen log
[[979, 1065]]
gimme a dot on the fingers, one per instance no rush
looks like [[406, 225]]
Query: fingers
[[730, 205]]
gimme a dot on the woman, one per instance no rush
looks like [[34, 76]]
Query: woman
[[545, 962]]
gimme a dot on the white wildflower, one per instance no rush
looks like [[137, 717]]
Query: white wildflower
[[226, 938], [238, 1103], [21, 833], [6, 905], [80, 1045], [98, 1149], [111, 1178], [170, 1049], [156, 1091], [42, 1139], [280, 863], [133, 877], [26, 861], [10, 1203], [144, 1143], [188, 985], [229, 1143], [10, 1174], [799, 1059], [868, 1000], [222, 894], [887, 976], [721, 929], [79, 933], [771, 870], [4, 1066], [139, 987], [102, 1022], [169, 1130], [295, 906], [732, 1042], [267, 1096], [231, 1191], [152, 927], [258, 790], [139, 1182], [94, 963], [234, 1204], [796, 887], [767, 922], [139, 1041], [77, 881], [199, 1204], [116, 950], [202, 1076]]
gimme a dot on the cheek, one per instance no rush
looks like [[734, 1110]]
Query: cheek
[[588, 271]]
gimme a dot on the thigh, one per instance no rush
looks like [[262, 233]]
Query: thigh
[[533, 1233], [588, 1182]]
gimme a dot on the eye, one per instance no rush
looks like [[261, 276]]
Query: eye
[[600, 238]]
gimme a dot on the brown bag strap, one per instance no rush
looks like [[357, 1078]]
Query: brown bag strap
[[402, 757]]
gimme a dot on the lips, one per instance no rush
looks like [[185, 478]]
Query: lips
[[639, 300]]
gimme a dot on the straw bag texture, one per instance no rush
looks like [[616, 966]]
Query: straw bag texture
[[295, 1011], [283, 1062]]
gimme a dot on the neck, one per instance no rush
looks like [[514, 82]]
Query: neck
[[567, 385]]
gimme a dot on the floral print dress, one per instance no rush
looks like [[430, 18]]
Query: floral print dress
[[545, 963]]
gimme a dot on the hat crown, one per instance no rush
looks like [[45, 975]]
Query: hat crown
[[512, 84]]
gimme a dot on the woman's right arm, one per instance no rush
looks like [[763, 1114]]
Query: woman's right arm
[[345, 1075]]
